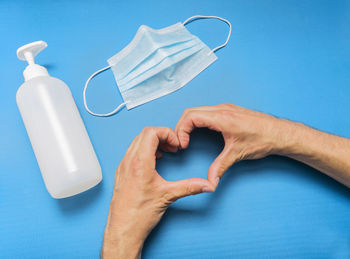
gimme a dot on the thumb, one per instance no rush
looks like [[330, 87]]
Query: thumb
[[183, 188], [220, 165]]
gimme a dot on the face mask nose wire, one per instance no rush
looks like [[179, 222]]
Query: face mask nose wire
[[84, 96], [198, 17]]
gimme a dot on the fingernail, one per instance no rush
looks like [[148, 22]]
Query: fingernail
[[217, 180], [206, 189]]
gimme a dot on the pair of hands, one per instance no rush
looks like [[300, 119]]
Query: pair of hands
[[141, 195]]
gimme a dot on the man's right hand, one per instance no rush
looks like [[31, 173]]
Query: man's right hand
[[248, 134]]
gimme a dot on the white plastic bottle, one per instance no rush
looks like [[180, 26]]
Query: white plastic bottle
[[62, 147]]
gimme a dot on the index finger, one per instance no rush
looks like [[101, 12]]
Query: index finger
[[152, 137], [195, 119]]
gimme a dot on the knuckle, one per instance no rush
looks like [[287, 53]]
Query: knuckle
[[190, 190], [226, 105], [226, 114], [193, 116], [188, 111], [148, 130]]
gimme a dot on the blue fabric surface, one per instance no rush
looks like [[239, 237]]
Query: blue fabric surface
[[287, 58]]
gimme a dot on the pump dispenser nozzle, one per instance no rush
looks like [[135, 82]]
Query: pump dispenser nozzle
[[27, 53]]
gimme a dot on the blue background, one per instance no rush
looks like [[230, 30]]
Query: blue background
[[287, 58]]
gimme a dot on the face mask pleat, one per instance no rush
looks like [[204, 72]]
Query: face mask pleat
[[160, 60], [150, 40], [154, 58], [165, 64], [170, 79]]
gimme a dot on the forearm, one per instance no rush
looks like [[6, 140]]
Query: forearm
[[327, 153]]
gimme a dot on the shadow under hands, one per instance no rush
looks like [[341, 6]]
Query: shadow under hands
[[290, 168], [209, 144]]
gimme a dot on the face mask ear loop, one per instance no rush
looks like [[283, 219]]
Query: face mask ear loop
[[197, 17], [84, 96]]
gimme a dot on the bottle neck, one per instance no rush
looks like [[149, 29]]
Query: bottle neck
[[34, 70]]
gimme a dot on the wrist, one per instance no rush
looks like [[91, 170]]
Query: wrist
[[119, 244], [290, 138], [122, 238]]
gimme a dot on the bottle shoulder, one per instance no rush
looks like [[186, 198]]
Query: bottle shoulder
[[41, 81]]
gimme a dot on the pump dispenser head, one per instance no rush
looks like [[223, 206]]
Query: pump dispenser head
[[27, 53]]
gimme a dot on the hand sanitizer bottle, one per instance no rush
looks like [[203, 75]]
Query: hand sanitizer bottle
[[62, 147]]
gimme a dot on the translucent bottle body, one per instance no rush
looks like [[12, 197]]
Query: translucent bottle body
[[62, 147]]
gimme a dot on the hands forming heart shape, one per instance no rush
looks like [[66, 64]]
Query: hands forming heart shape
[[141, 195]]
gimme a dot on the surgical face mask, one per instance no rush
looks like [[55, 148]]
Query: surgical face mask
[[158, 62]]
